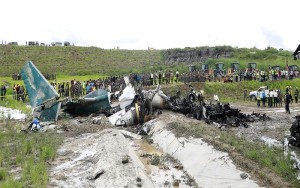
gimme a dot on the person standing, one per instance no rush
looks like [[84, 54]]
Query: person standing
[[151, 78], [15, 92], [22, 93], [275, 94], [177, 76], [287, 100], [258, 98], [279, 97], [18, 92], [67, 90], [264, 97], [245, 94], [3, 92], [83, 88], [159, 77], [291, 94], [296, 94]]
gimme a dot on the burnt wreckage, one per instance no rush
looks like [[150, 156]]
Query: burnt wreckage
[[222, 114], [295, 132]]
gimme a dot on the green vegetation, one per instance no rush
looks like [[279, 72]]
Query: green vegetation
[[29, 151], [263, 58], [74, 60], [77, 60], [233, 92], [271, 157], [266, 157], [32, 151], [230, 92]]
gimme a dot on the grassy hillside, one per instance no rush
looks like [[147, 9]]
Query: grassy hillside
[[227, 55], [72, 60], [76, 60]]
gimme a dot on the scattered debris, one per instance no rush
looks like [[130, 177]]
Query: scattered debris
[[46, 102], [295, 132], [244, 176], [96, 175], [155, 160], [130, 134], [125, 159], [218, 114]]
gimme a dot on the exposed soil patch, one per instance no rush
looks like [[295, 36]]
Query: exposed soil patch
[[276, 128]]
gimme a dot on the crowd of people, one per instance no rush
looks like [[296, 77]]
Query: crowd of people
[[154, 78], [76, 89], [275, 98], [169, 77], [19, 92]]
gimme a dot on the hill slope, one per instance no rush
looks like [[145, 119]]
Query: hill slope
[[74, 60]]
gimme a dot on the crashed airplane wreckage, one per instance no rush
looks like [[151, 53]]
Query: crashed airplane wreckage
[[134, 108], [219, 114], [46, 102], [294, 139]]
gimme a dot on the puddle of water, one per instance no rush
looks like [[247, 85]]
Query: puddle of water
[[11, 113], [163, 175], [148, 148]]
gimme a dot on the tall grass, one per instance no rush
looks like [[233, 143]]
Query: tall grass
[[29, 151], [270, 157]]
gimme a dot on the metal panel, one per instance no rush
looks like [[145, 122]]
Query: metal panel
[[40, 92]]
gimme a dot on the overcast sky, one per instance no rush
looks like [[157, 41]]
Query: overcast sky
[[160, 24]]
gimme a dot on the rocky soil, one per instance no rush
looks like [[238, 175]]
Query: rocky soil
[[78, 156]]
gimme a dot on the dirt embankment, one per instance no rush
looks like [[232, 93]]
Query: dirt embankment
[[75, 130], [195, 55], [276, 129]]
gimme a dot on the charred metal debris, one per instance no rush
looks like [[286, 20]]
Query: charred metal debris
[[294, 139], [219, 114]]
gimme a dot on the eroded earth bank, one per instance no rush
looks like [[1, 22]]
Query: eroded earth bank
[[172, 154]]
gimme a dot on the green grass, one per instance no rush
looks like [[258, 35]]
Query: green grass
[[77, 60], [267, 157], [30, 152], [229, 92], [74, 60]]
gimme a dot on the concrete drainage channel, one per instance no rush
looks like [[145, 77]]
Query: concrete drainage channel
[[207, 166], [110, 159]]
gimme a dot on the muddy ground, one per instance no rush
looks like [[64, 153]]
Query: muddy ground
[[77, 157], [81, 131]]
